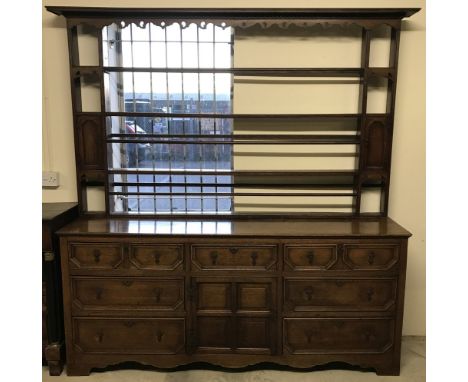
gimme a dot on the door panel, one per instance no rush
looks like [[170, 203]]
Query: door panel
[[233, 315]]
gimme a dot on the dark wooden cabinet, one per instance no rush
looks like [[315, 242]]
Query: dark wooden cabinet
[[54, 216], [300, 293], [309, 277]]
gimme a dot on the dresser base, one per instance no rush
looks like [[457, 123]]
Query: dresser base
[[300, 294], [377, 363]]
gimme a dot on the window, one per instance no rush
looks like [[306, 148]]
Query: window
[[164, 86]]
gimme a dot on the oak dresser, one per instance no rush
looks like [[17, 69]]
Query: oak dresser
[[242, 172], [233, 293]]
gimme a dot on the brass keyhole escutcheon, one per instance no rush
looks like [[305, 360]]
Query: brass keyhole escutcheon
[[370, 294]]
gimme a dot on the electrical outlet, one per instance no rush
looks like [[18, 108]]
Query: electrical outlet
[[50, 179]]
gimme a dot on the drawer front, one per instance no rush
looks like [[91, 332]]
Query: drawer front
[[340, 294], [335, 336], [371, 256], [310, 257], [133, 336], [95, 256], [104, 294], [262, 257], [157, 257]]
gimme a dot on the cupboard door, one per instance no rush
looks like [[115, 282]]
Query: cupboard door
[[213, 334], [234, 316], [254, 335]]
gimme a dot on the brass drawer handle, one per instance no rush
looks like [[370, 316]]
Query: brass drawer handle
[[99, 337], [309, 335], [369, 336], [310, 257], [371, 258], [159, 336], [98, 293], [157, 294], [127, 283], [308, 292], [214, 258], [156, 257], [339, 324], [97, 255], [254, 257]]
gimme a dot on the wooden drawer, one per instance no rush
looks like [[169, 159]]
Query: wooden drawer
[[376, 257], [132, 336], [95, 256], [157, 257], [335, 336], [310, 257], [261, 257], [319, 294], [117, 294]]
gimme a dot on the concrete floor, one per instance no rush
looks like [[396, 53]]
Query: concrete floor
[[413, 368]]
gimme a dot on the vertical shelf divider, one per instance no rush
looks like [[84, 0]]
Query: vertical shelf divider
[[74, 60], [391, 96], [365, 51], [103, 118]]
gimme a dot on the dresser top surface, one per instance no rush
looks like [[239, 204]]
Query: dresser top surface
[[256, 228]]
